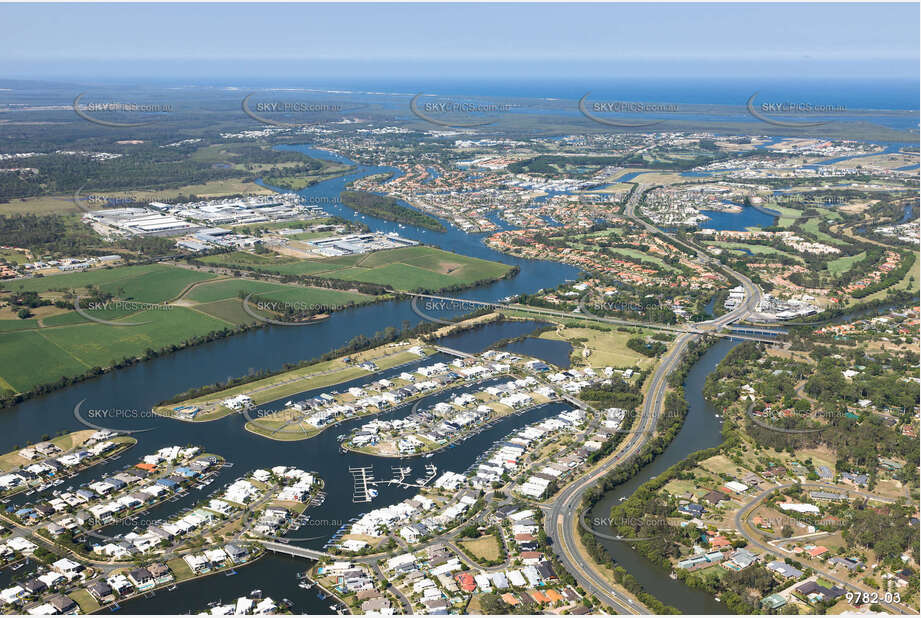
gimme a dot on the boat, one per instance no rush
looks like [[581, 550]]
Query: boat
[[231, 574], [171, 588], [256, 594], [305, 585], [321, 596]]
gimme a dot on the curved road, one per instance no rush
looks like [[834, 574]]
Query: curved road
[[742, 517], [561, 522], [562, 519]]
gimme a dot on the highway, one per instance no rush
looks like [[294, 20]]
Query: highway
[[561, 522], [562, 519], [711, 327]]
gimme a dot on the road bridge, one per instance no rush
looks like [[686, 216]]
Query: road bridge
[[755, 330], [696, 329], [294, 550], [452, 351]]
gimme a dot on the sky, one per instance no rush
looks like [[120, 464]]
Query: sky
[[186, 40]]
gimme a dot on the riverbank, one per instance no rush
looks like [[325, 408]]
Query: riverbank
[[343, 368], [699, 430], [254, 355]]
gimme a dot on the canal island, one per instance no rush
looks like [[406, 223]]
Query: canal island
[[353, 345]]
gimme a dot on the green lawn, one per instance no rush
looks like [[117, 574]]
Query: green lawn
[[229, 310], [755, 249], [787, 215], [844, 264], [67, 345], [227, 288], [14, 257], [17, 324], [812, 226]]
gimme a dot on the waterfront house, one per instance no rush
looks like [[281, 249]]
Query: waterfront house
[[701, 560], [692, 509], [34, 586], [120, 584], [63, 604], [740, 559], [141, 579], [160, 573], [197, 562], [236, 553], [773, 602], [13, 595], [21, 545], [216, 557], [101, 591]]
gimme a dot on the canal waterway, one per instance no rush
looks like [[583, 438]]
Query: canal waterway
[[127, 396]]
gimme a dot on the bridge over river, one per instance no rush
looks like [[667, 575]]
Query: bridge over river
[[747, 333]]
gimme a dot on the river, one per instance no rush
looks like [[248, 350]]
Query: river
[[138, 388], [701, 430]]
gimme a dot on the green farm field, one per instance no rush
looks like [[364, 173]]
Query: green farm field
[[407, 268], [41, 350], [149, 283], [34, 357], [231, 288]]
